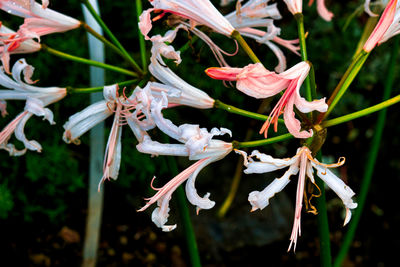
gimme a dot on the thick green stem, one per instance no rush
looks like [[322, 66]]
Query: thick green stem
[[236, 35], [111, 35], [185, 218], [303, 49], [103, 40], [142, 43], [263, 142], [345, 82], [323, 225], [72, 90], [220, 105], [90, 62], [361, 113], [371, 161]]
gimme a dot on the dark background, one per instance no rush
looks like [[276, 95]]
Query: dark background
[[43, 196]]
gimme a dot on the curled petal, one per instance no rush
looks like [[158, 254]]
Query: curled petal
[[20, 135], [155, 148], [292, 124], [339, 187], [323, 11], [266, 163], [191, 192], [145, 24]]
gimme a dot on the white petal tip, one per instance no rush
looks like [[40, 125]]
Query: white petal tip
[[168, 228]]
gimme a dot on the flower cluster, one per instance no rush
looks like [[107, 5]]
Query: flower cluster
[[142, 108]]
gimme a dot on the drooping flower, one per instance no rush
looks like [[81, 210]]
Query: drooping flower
[[256, 81], [214, 151], [13, 47], [185, 94], [37, 98], [39, 21], [133, 111], [302, 163], [387, 27], [196, 143], [257, 13], [194, 137], [197, 11]]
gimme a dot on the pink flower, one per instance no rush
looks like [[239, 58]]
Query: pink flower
[[302, 163], [322, 10], [10, 45], [387, 27], [39, 21], [198, 11], [256, 81]]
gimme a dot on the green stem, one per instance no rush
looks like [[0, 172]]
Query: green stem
[[111, 35], [303, 49], [72, 90], [323, 225], [236, 35], [142, 43], [104, 40], [220, 105], [87, 61], [361, 113], [345, 82], [371, 160], [185, 217], [263, 142]]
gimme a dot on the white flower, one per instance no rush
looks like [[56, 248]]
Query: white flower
[[37, 98], [185, 94], [197, 11], [302, 163], [215, 150]]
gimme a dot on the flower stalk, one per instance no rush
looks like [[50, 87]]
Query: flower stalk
[[236, 35], [303, 50], [72, 90], [90, 62], [111, 35], [104, 41], [345, 82], [220, 105], [323, 225], [371, 160], [142, 43]]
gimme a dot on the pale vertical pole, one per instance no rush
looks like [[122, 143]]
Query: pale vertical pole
[[95, 199]]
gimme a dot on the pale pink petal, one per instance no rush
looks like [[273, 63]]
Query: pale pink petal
[[323, 11], [145, 24], [380, 29], [292, 124], [299, 200], [224, 73]]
